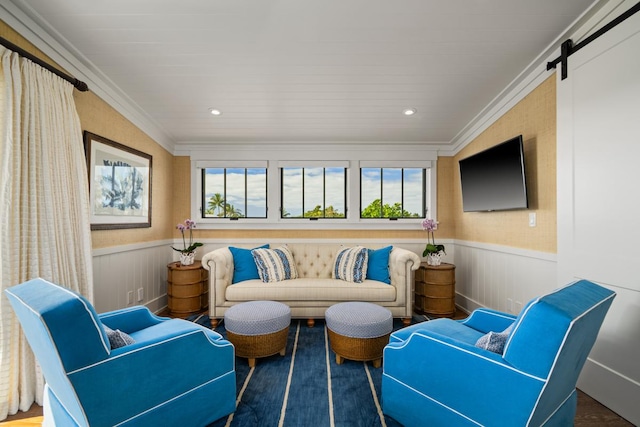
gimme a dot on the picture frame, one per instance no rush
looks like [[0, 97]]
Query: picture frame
[[119, 184]]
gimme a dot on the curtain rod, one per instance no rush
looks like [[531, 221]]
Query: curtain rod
[[80, 85], [568, 48]]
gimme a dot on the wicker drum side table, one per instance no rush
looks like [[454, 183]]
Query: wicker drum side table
[[187, 289], [358, 331], [258, 328]]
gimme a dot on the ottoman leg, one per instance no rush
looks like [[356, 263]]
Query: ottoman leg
[[283, 351], [252, 362], [377, 363], [339, 359]]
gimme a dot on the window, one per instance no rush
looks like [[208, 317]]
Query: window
[[314, 192], [234, 192], [392, 193]]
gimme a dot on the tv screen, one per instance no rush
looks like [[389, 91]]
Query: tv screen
[[494, 179]]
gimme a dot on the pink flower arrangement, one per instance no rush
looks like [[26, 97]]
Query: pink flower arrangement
[[430, 225], [188, 225]]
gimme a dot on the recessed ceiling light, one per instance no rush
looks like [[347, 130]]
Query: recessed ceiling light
[[215, 111], [409, 111]]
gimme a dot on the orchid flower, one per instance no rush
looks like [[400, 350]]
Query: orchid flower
[[187, 225], [430, 225]]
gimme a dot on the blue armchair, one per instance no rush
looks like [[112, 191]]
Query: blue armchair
[[435, 375], [175, 373]]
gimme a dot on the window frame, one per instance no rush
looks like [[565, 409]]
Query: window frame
[[204, 202], [424, 190], [274, 185], [324, 193]]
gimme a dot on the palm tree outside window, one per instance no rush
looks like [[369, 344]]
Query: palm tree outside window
[[234, 193]]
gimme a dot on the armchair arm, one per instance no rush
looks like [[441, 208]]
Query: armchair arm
[[152, 374], [486, 320], [131, 319], [459, 378], [402, 263], [219, 262]]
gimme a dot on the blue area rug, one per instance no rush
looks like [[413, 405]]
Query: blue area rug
[[306, 387]]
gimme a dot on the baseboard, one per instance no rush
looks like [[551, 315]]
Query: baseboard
[[612, 389]]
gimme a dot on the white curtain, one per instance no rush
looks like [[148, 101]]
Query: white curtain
[[44, 208]]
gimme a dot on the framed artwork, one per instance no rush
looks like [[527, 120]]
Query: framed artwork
[[119, 184]]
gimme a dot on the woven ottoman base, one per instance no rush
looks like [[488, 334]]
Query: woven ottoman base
[[358, 331], [254, 346], [258, 329], [359, 349]]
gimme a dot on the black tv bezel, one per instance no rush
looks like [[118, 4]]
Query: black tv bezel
[[518, 140]]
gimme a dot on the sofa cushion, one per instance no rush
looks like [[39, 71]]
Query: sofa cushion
[[315, 291], [351, 264], [244, 267], [378, 265], [275, 265]]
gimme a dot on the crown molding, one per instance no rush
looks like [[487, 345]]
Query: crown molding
[[533, 75], [34, 29]]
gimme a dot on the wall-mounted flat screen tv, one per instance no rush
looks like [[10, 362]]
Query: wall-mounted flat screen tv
[[494, 179]]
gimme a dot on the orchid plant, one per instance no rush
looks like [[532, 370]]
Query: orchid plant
[[430, 225], [188, 225]]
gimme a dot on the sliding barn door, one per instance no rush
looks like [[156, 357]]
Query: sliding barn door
[[599, 203]]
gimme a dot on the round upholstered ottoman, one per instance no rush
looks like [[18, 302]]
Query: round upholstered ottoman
[[258, 328], [358, 331]]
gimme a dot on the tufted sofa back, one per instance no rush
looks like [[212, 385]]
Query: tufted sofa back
[[314, 260]]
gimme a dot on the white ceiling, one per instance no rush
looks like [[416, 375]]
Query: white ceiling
[[303, 70]]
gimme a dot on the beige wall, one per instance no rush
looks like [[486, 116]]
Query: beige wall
[[535, 118], [98, 117]]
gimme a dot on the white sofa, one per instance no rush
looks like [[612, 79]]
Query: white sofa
[[314, 290]]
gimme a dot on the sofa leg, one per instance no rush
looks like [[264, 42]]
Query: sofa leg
[[406, 321], [311, 323], [214, 323]]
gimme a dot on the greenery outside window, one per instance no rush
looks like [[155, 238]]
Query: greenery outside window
[[392, 193], [314, 192], [234, 193]]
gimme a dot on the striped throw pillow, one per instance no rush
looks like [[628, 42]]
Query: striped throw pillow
[[275, 265], [351, 264]]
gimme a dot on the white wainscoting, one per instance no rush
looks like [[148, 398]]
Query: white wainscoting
[[122, 269], [500, 277], [486, 275]]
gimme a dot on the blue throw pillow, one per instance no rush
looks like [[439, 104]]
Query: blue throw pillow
[[275, 265], [244, 267], [351, 264], [378, 267]]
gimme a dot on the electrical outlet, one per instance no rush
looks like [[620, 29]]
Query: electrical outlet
[[130, 297], [140, 294], [532, 219]]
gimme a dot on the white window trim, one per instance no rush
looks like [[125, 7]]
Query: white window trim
[[273, 220]]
